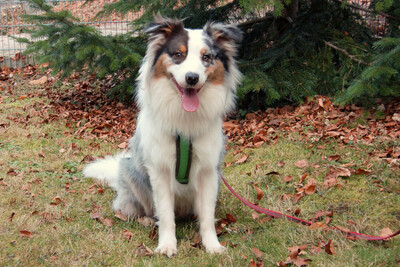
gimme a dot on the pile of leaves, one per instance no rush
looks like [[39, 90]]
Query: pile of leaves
[[319, 119], [86, 110]]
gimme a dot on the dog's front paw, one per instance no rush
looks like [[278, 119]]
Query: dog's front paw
[[216, 249], [168, 250]]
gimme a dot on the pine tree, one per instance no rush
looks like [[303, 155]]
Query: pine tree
[[69, 46], [382, 78], [293, 49]]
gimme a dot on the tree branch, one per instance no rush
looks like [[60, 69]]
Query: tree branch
[[368, 10], [352, 57]]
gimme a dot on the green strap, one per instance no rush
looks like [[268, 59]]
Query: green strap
[[183, 160]]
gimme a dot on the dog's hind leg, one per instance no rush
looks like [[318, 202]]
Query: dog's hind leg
[[134, 194]]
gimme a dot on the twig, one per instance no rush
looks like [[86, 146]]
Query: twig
[[368, 10], [352, 57]]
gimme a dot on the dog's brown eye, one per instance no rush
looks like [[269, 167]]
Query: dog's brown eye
[[178, 55], [206, 58]]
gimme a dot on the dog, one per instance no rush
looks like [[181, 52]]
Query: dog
[[186, 85]]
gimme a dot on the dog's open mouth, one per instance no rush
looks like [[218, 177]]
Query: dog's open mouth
[[189, 98]]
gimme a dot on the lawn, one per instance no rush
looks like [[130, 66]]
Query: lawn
[[51, 216]]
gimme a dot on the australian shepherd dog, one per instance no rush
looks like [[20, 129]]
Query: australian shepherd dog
[[186, 84]]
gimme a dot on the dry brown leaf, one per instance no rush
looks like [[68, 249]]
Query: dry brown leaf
[[288, 178], [230, 218], [24, 233], [95, 215], [255, 215], [121, 216], [301, 163], [123, 145], [330, 182], [146, 221], [260, 193], [127, 234], [335, 172], [298, 196], [343, 229], [318, 225], [329, 248], [243, 159], [39, 81], [107, 222], [143, 250], [257, 252], [385, 232], [360, 171], [11, 217], [310, 189]]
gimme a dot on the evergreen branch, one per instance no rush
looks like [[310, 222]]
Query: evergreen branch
[[352, 57], [368, 10]]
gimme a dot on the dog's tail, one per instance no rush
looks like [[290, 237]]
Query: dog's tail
[[105, 170]]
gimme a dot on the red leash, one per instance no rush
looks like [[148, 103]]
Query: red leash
[[298, 220]]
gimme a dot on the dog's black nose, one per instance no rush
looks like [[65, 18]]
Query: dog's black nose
[[192, 78]]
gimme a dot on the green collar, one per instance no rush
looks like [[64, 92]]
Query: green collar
[[183, 159]]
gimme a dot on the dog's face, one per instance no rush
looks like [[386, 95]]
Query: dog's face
[[190, 59]]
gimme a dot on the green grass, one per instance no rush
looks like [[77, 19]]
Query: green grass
[[49, 168]]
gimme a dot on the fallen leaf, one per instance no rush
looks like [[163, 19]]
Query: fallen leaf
[[121, 216], [334, 158], [11, 217], [127, 234], [298, 196], [260, 193], [385, 232], [143, 250], [197, 242], [242, 159], [288, 178], [123, 145], [252, 263], [107, 222], [231, 218], [146, 221], [56, 202], [318, 225], [303, 177], [343, 229], [335, 172], [360, 171], [281, 164], [329, 248], [24, 233], [95, 215], [301, 163], [255, 215], [39, 81], [12, 172], [330, 182], [310, 189], [257, 252]]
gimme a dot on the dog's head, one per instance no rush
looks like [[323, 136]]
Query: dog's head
[[191, 59]]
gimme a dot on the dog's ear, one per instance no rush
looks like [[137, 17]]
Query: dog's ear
[[164, 26], [224, 35]]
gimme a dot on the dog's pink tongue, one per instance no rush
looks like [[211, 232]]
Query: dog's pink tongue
[[190, 100]]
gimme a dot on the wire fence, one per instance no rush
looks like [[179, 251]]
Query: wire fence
[[11, 24]]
